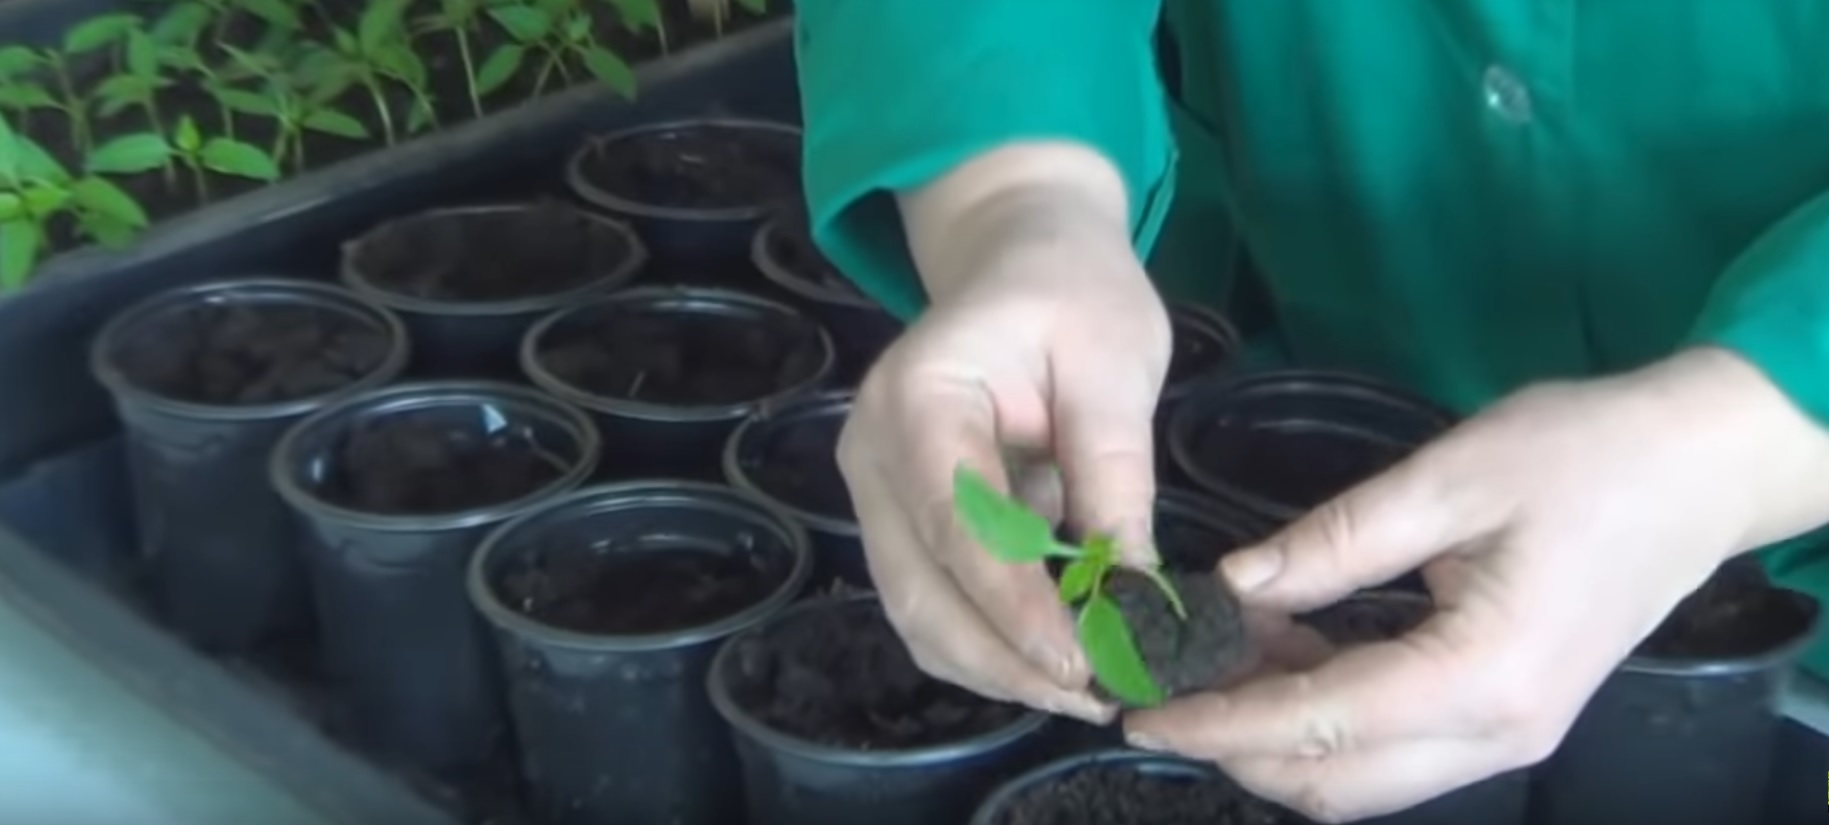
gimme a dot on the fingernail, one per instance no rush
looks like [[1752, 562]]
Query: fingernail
[[1143, 742], [1060, 666], [1252, 569]]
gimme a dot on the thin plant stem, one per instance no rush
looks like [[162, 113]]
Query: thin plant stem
[[157, 121], [197, 177], [463, 54], [72, 104], [380, 100]]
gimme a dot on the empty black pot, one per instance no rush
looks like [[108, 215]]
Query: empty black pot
[[470, 280], [396, 487], [608, 606], [787, 453], [205, 380], [861, 329], [1277, 444], [670, 371], [1685, 736], [1169, 787], [791, 778], [1205, 348], [695, 189]]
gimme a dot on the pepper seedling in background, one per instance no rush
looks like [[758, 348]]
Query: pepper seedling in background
[[288, 101], [20, 93], [145, 151], [35, 188], [1013, 533], [718, 11], [562, 31], [372, 56], [644, 15], [460, 19]]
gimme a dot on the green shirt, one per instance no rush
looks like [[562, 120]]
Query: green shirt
[[1459, 195]]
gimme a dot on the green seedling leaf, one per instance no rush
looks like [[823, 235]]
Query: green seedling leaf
[[578, 29], [247, 103], [278, 12], [142, 54], [26, 96], [380, 23], [523, 23], [107, 231], [97, 32], [188, 138], [19, 240], [182, 25], [11, 207], [129, 154], [501, 66], [333, 122], [639, 14], [100, 197], [43, 200], [345, 41], [244, 160], [1113, 654], [610, 70], [1006, 528], [1081, 577], [33, 162], [16, 59]]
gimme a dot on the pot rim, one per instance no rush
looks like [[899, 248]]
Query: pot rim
[[1000, 798], [535, 368], [779, 412], [762, 256], [417, 395], [1214, 325], [107, 372], [1184, 421], [588, 191], [1781, 654], [617, 276], [744, 723], [1213, 512], [487, 602]]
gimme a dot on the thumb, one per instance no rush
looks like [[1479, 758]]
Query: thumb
[[1386, 527], [1104, 443]]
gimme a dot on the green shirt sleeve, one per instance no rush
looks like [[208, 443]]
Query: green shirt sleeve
[[897, 92]]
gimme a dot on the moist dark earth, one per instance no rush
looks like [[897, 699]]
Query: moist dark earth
[[541, 249], [797, 464], [1182, 656], [242, 355], [1370, 617], [841, 677], [1298, 467], [1737, 612], [425, 464], [1122, 795], [623, 592], [684, 359], [698, 167]]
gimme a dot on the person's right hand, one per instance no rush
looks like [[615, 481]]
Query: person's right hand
[[1043, 339]]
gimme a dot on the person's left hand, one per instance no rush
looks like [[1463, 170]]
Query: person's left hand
[[1555, 531]]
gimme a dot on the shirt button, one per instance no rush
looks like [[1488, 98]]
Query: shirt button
[[1507, 95]]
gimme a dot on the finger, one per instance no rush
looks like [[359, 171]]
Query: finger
[[1036, 480], [1369, 536], [1101, 407], [1362, 698], [1355, 786], [942, 425], [1286, 643], [948, 637]]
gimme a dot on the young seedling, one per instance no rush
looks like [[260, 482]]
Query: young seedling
[[562, 31], [138, 84], [145, 151], [21, 93], [644, 15], [460, 19], [718, 11], [35, 188], [373, 56], [1013, 533], [286, 99]]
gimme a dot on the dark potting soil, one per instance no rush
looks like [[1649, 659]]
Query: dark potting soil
[[239, 355], [1113, 794], [411, 464], [636, 591], [798, 465], [1737, 612], [1182, 656], [479, 256], [684, 359], [698, 167], [1296, 465], [1369, 618], [842, 677]]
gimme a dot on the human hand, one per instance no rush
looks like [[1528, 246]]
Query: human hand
[[1043, 338], [1555, 532]]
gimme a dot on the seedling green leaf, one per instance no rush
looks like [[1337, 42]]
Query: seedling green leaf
[[336, 123], [503, 64], [277, 12], [523, 23], [101, 198], [610, 70], [243, 160], [1005, 528], [19, 242], [188, 138], [1113, 653], [130, 154], [1080, 577], [97, 32], [16, 59]]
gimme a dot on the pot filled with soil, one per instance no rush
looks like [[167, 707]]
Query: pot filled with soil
[[1278, 444], [470, 280], [1205, 347], [608, 606], [1381, 615], [205, 379], [670, 371], [835, 724], [787, 453], [694, 189], [396, 487], [1684, 731], [1129, 787], [784, 252]]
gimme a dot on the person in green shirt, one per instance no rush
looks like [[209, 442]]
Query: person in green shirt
[[1599, 228]]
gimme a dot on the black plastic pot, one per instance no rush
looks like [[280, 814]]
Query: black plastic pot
[[481, 339], [660, 438], [396, 631], [996, 808], [218, 541], [1277, 444], [1686, 741], [791, 780], [708, 245], [787, 453], [1206, 347], [861, 328], [617, 727], [1193, 530]]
